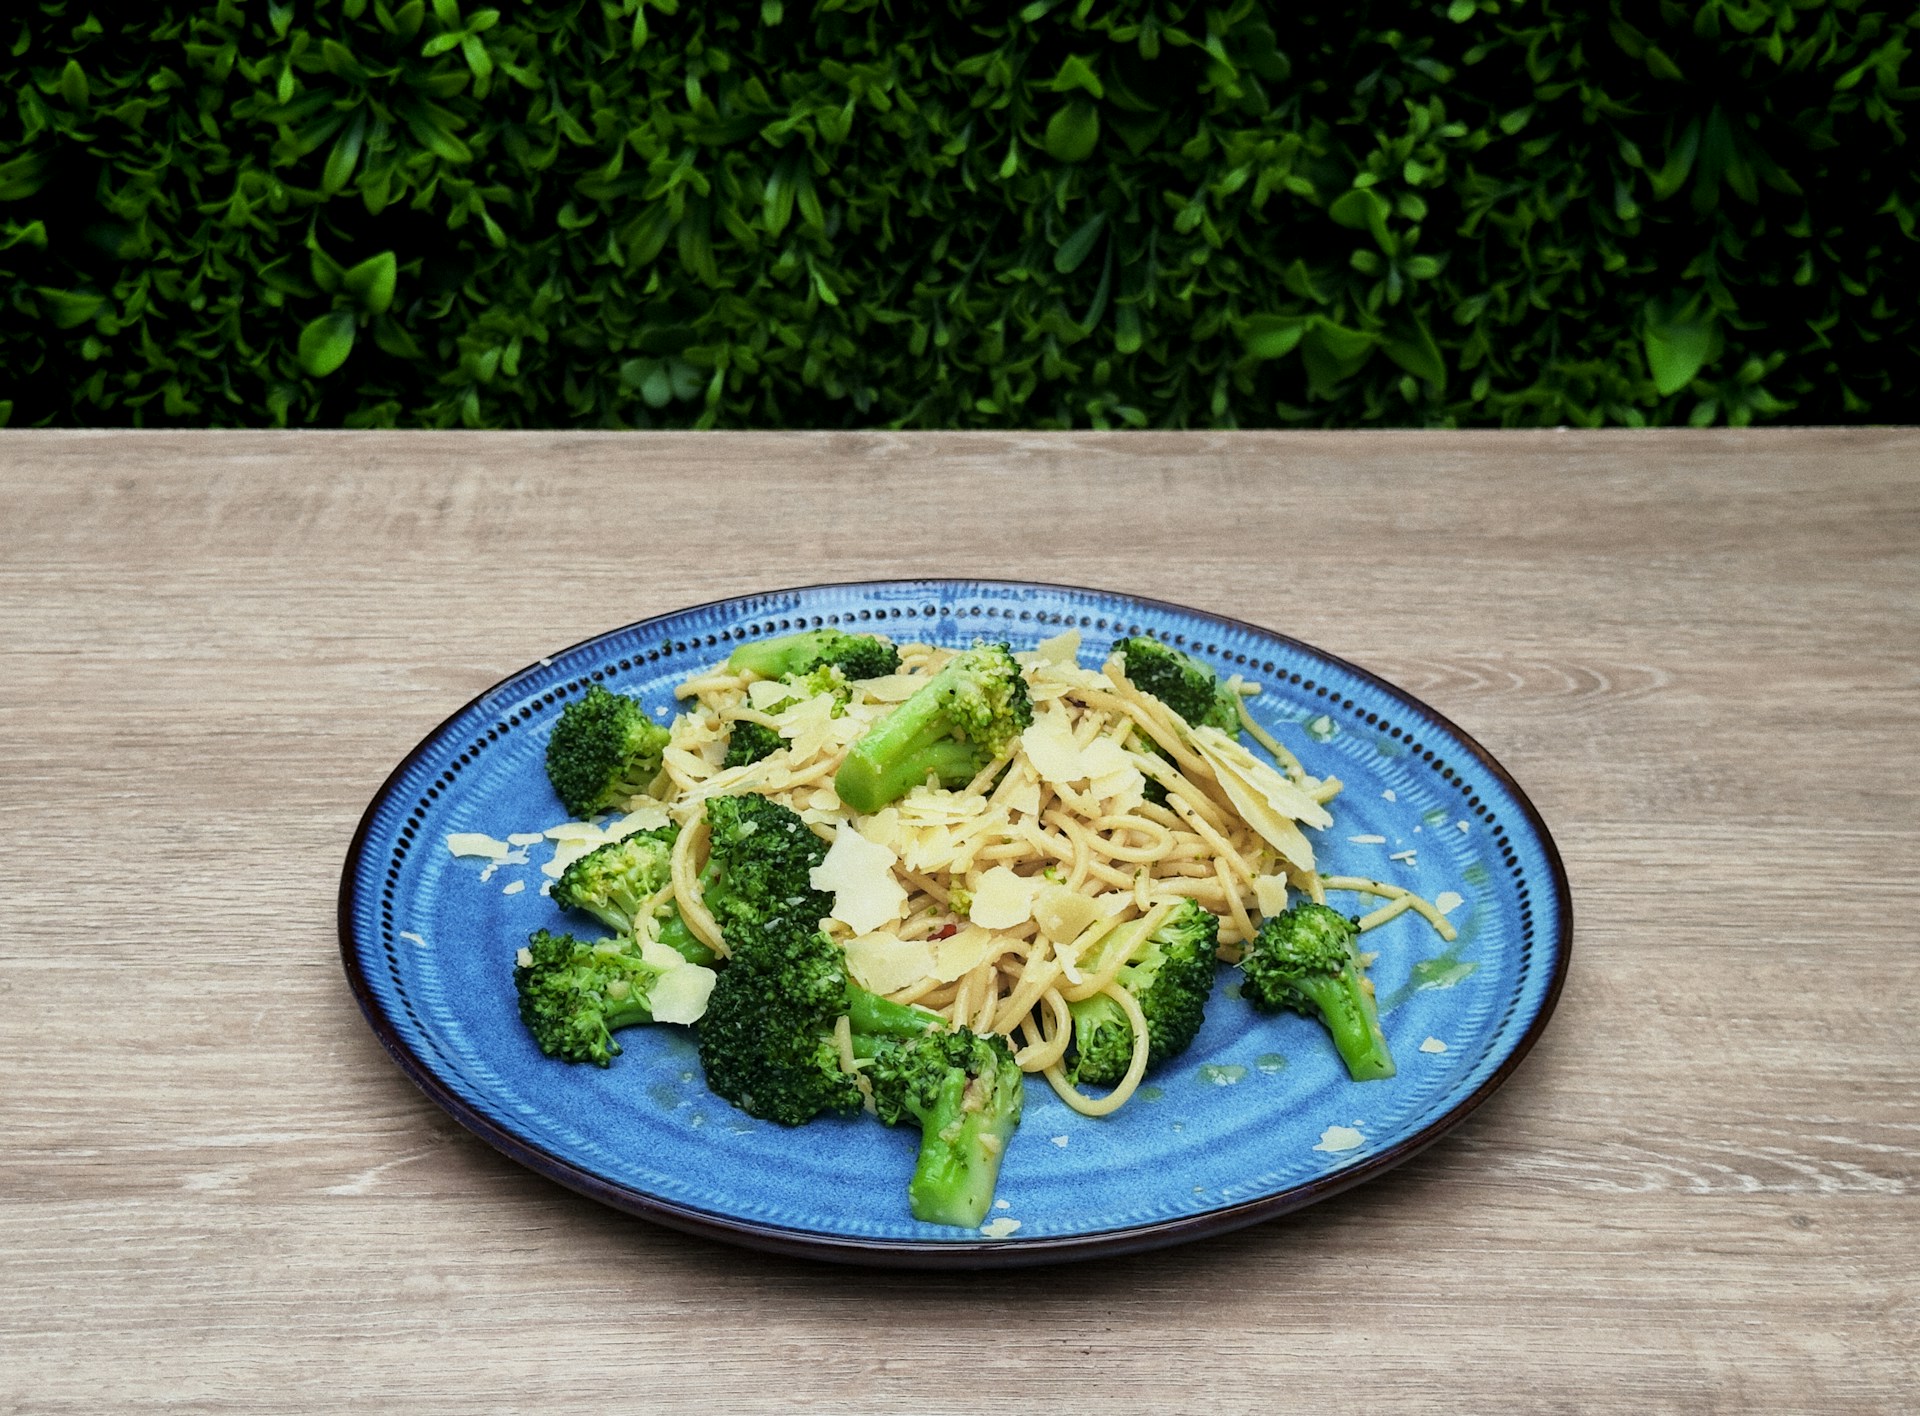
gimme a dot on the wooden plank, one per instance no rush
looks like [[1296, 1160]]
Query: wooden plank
[[1695, 650]]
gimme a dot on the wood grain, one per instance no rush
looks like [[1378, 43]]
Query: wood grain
[[1699, 652]]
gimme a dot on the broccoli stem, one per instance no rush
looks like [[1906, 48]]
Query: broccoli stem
[[631, 1014], [898, 755], [676, 936], [873, 1016], [1345, 1003], [962, 1139]]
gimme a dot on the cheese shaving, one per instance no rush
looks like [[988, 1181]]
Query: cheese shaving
[[680, 994], [1002, 899], [473, 843], [859, 874], [882, 962]]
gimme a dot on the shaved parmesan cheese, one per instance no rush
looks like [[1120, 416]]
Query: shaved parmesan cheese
[[565, 853], [999, 1228], [680, 995], [1024, 798], [808, 725], [1433, 1044], [960, 953], [1447, 902], [1340, 1138], [884, 963], [525, 838], [514, 888], [1104, 756], [1002, 899], [658, 956], [1063, 914], [1060, 649], [643, 815], [1270, 893], [1285, 797], [859, 874], [893, 688], [1266, 800], [1050, 747], [473, 843], [883, 829], [762, 694], [524, 958]]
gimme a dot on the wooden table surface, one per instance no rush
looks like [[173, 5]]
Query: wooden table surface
[[1698, 652]]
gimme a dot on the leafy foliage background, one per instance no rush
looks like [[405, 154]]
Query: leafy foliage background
[[779, 214]]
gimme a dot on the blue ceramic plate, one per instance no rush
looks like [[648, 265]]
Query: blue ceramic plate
[[1256, 1120]]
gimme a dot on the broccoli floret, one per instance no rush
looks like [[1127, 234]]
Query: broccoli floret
[[1169, 972], [1305, 959], [615, 882], [1182, 682], [858, 656], [603, 750], [827, 678], [961, 720], [965, 1092], [766, 1039], [760, 857], [749, 742], [575, 994]]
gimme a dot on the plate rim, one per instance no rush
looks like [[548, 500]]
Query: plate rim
[[947, 1253]]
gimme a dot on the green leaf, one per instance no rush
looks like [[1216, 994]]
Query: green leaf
[[1333, 354], [1363, 209], [1413, 349], [372, 281], [390, 336], [73, 85], [69, 308], [1078, 246], [345, 155], [1680, 155], [1272, 336], [23, 176], [1677, 345], [1073, 132], [325, 343], [1077, 73]]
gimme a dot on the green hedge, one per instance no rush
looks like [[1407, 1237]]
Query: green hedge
[[632, 213]]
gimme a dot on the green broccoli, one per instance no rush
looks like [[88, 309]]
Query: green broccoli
[[766, 1040], [1305, 959], [1169, 972], [962, 719], [1182, 682], [749, 742], [575, 994], [616, 882], [965, 1093], [760, 860], [858, 656], [603, 749], [767, 1037]]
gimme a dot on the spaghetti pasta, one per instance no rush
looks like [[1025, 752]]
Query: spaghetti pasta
[[1099, 818]]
